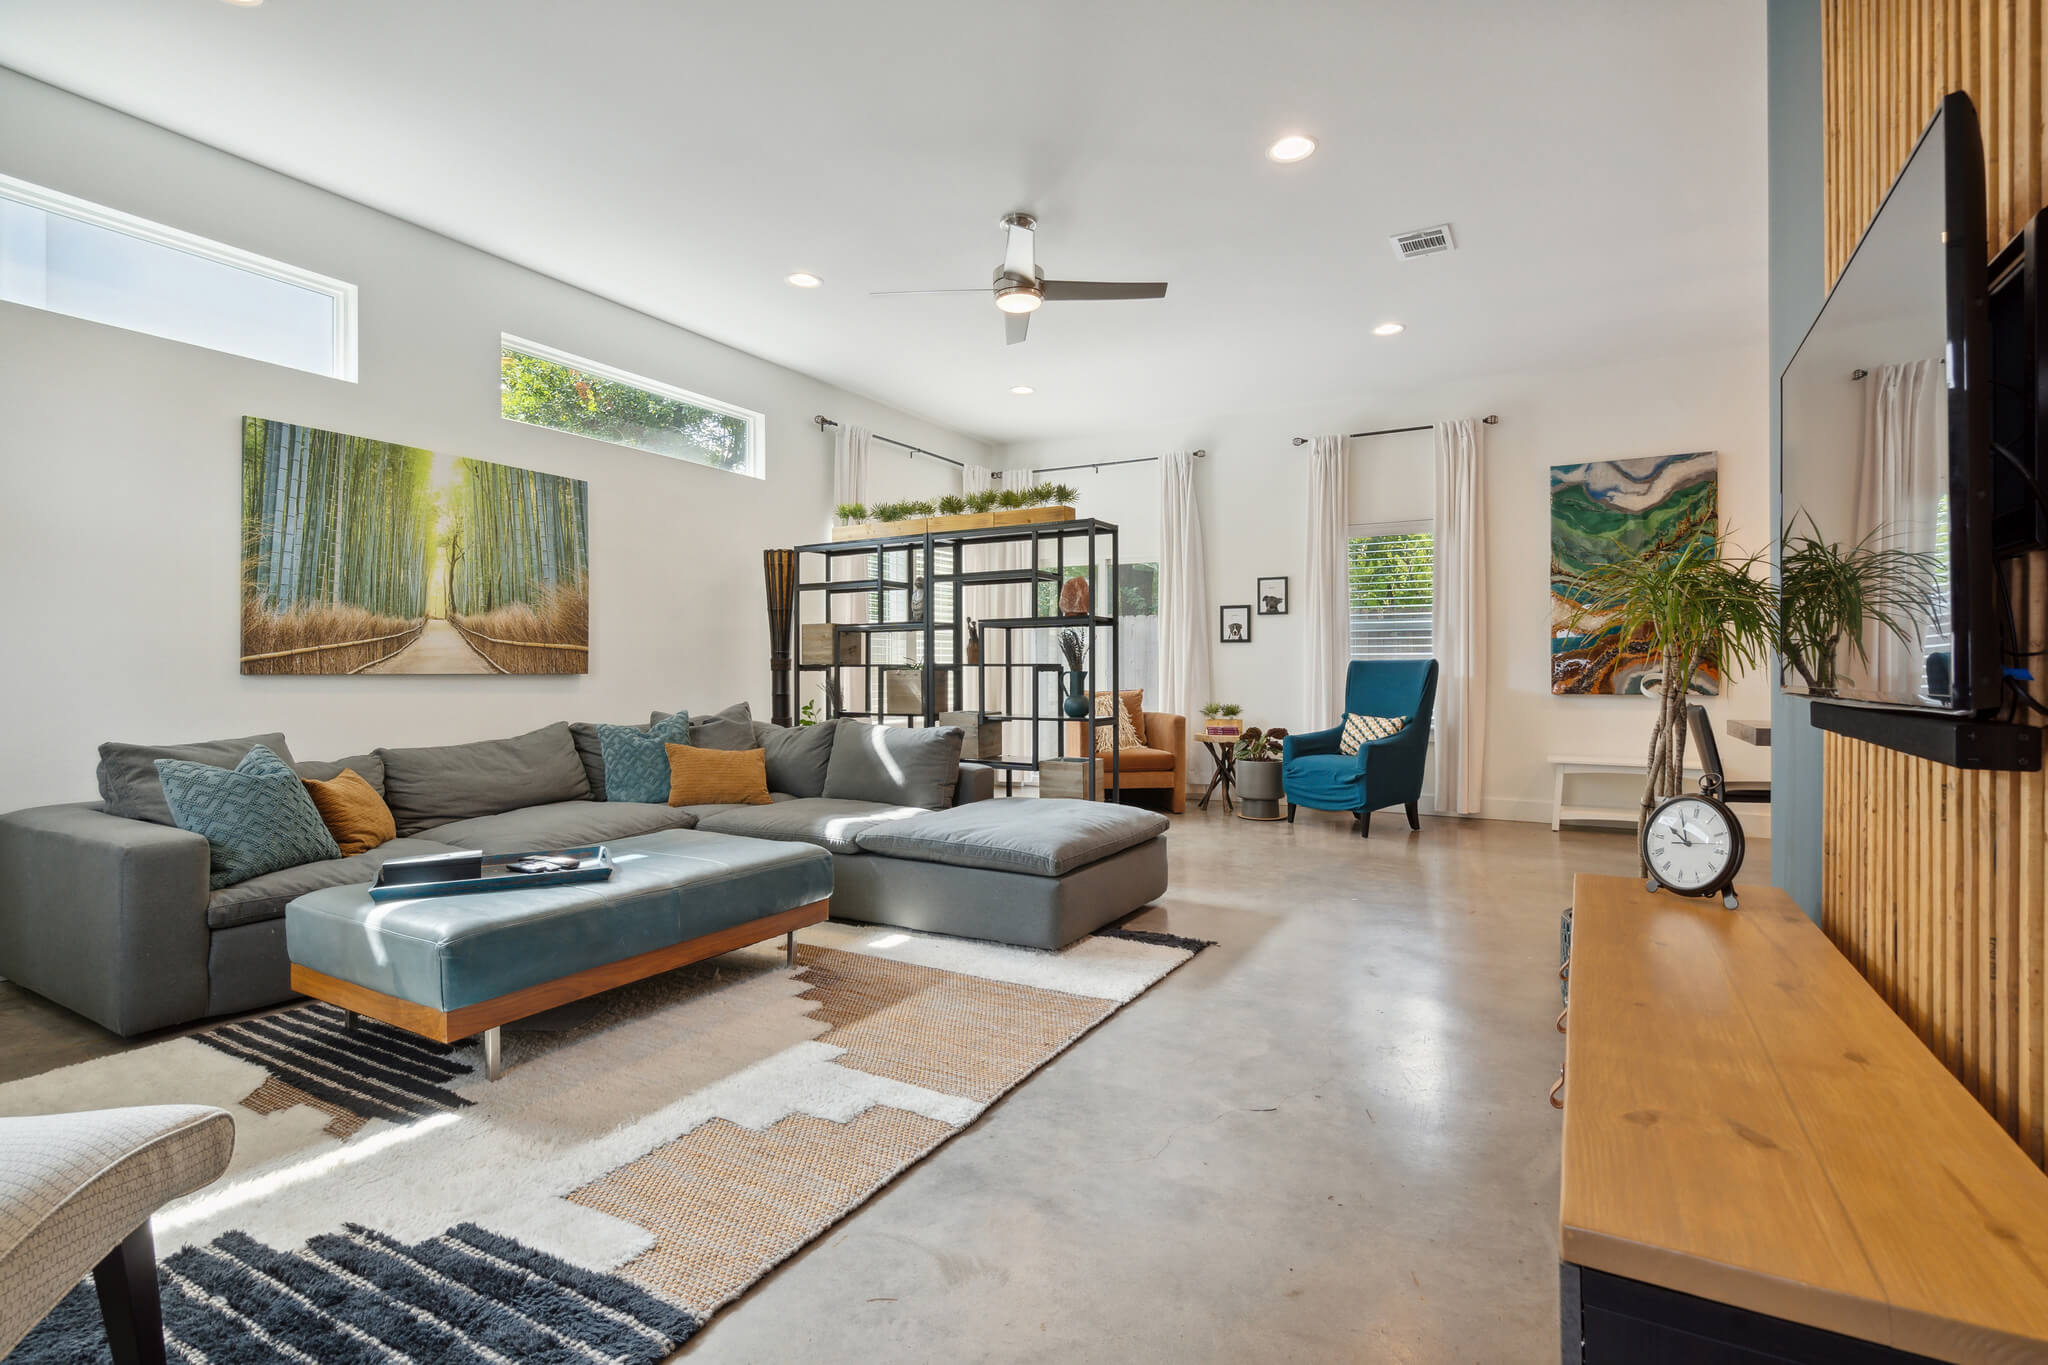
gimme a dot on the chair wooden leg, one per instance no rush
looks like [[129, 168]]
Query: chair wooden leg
[[1364, 823], [126, 1281], [1414, 816]]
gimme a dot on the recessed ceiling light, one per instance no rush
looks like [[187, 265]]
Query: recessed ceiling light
[[1387, 329], [804, 279], [1293, 147], [245, 4], [1022, 390]]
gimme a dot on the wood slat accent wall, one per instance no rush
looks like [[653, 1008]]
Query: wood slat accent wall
[[1889, 62], [1935, 879]]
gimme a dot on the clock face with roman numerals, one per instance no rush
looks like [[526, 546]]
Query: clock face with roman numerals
[[1692, 845]]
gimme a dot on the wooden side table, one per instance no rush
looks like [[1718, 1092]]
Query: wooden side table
[[1224, 751]]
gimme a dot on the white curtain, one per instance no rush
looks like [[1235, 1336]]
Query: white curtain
[[1903, 476], [1328, 596], [1183, 592], [849, 484], [1459, 618], [1009, 693]]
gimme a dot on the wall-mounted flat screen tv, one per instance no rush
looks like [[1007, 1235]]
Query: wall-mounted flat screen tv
[[1885, 423]]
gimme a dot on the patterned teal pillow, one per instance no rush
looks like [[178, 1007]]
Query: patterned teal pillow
[[256, 816], [636, 760]]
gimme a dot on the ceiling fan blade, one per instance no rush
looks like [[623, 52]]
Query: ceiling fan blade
[[1015, 325], [878, 293], [1017, 251], [1072, 290]]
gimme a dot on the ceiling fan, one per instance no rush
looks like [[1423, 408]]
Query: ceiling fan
[[1020, 286]]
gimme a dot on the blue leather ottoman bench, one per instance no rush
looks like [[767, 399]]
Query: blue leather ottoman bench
[[453, 967]]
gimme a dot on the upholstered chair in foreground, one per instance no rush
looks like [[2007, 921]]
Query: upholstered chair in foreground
[[76, 1193], [1386, 771]]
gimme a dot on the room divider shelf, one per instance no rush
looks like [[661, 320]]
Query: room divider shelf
[[933, 676]]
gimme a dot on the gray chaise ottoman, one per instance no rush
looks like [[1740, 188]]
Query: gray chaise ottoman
[[1038, 873], [453, 967]]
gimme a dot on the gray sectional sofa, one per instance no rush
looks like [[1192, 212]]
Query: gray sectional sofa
[[105, 906]]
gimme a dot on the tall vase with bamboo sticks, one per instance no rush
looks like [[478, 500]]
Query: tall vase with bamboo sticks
[[1693, 606]]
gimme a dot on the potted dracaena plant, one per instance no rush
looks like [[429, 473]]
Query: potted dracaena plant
[[1692, 607], [1830, 595]]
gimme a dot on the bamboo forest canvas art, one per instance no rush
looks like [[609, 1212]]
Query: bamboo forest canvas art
[[1609, 510], [363, 556]]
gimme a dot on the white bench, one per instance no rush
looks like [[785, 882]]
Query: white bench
[[1563, 766]]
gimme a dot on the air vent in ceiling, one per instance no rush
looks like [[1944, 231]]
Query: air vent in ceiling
[[1423, 241]]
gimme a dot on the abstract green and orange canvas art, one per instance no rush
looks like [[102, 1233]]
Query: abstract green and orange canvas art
[[1605, 511], [366, 556]]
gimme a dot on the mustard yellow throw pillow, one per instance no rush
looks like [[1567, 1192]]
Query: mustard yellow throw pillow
[[717, 777], [352, 811]]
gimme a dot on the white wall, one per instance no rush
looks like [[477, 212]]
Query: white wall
[[119, 523], [1253, 490]]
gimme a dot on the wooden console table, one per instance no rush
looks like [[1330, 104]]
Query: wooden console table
[[1761, 1161]]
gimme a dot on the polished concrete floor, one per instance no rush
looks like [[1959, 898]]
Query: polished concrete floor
[[1325, 1139]]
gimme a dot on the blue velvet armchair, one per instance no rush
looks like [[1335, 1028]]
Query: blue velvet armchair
[[1385, 772]]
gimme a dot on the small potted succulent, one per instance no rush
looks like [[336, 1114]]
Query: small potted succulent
[[1258, 773], [1222, 720]]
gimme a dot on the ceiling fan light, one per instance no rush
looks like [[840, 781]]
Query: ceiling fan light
[[1018, 299], [1023, 390], [803, 279], [1388, 329], [1293, 147]]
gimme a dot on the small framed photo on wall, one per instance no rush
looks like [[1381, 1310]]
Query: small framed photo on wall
[[1272, 597], [1236, 625]]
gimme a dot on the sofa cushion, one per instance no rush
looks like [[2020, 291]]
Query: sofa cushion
[[732, 728], [130, 788], [265, 897], [256, 816], [634, 759], [433, 786], [699, 777], [353, 811], [369, 767], [894, 765], [590, 748], [818, 820], [561, 824], [797, 755], [1139, 761], [1041, 838]]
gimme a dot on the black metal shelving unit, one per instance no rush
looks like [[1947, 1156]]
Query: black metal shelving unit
[[943, 675]]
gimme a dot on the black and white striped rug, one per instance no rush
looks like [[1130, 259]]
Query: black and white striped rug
[[357, 1297]]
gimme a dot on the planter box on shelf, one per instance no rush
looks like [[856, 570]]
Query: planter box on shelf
[[1068, 777], [815, 645], [982, 738], [967, 521]]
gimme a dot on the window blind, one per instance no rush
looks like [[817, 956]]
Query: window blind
[[1392, 572]]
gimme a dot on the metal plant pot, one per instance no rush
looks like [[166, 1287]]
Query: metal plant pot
[[1258, 788]]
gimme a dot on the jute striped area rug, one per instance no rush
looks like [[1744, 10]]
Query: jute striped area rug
[[628, 1176]]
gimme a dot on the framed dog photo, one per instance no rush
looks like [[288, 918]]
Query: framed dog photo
[[1236, 625], [1272, 597]]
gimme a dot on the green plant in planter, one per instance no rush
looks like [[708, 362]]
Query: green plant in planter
[[1260, 746], [1829, 594], [952, 505], [1693, 607], [850, 513], [1231, 710], [1213, 710], [1009, 499], [1066, 494]]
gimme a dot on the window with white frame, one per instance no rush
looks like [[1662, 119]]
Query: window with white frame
[[1392, 573], [71, 256], [545, 387]]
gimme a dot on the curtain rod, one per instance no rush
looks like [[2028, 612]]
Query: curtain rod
[[824, 422], [1105, 464], [1489, 419]]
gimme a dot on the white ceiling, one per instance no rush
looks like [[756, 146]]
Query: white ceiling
[[1602, 163]]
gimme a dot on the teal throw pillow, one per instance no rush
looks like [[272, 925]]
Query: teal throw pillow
[[636, 760], [257, 816]]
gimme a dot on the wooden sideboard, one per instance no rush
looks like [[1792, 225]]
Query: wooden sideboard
[[1763, 1163]]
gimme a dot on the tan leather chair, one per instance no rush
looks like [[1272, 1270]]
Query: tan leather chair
[[1161, 765]]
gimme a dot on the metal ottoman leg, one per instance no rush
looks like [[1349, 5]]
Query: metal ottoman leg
[[789, 949], [494, 1057]]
